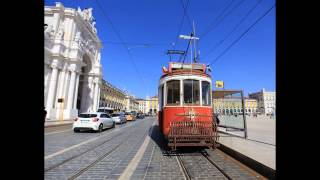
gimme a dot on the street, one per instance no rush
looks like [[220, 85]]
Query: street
[[134, 150]]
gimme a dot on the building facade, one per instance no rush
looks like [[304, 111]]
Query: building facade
[[232, 106], [112, 97], [131, 103], [142, 105], [72, 67], [266, 101], [152, 105]]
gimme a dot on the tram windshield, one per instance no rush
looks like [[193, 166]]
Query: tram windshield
[[191, 92], [173, 92]]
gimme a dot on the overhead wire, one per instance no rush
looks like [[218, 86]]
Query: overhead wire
[[181, 25], [186, 12], [117, 43], [121, 40], [244, 33], [234, 29], [213, 26]]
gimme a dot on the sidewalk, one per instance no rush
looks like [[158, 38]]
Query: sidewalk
[[258, 150], [263, 153], [53, 123]]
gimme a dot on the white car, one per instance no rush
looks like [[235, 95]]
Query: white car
[[119, 118], [96, 121]]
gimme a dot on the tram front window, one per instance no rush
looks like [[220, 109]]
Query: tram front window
[[173, 92], [206, 93], [191, 92]]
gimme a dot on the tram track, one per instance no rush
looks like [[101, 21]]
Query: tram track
[[183, 168], [215, 165], [95, 162], [100, 158], [90, 149], [73, 157], [187, 174]]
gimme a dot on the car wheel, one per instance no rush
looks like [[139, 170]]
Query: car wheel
[[100, 128], [76, 130], [114, 125]]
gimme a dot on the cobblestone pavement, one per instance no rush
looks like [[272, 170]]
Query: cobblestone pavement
[[111, 152], [60, 141], [126, 139], [157, 163], [55, 129], [232, 167]]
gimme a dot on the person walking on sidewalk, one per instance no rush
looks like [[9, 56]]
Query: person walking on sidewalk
[[45, 114]]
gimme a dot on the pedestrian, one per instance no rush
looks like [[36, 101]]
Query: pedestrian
[[45, 114], [217, 119]]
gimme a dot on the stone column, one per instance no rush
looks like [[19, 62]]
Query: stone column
[[76, 93], [91, 85], [47, 77], [71, 88], [98, 98], [52, 86], [62, 82], [95, 95]]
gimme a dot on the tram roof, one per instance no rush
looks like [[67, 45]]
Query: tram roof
[[185, 68]]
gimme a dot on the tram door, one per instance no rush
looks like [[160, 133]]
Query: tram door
[[161, 103]]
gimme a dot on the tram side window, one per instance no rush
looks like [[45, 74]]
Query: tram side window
[[173, 92], [191, 91], [161, 97], [206, 94]]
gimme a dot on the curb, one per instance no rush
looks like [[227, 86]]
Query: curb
[[251, 163], [58, 125]]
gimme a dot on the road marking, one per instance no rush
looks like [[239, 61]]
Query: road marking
[[136, 159], [85, 142], [57, 132]]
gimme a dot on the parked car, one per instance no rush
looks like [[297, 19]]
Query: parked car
[[96, 121], [130, 117], [134, 113], [119, 118], [140, 115]]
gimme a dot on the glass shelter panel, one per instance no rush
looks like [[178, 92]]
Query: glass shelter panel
[[231, 119]]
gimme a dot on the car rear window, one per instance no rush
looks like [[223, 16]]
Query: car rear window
[[87, 115]]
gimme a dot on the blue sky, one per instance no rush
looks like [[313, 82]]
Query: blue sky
[[249, 65]]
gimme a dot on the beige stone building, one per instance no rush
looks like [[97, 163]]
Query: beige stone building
[[266, 101], [131, 104], [112, 97], [142, 105], [152, 105], [230, 106]]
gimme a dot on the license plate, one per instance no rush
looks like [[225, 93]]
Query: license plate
[[84, 121]]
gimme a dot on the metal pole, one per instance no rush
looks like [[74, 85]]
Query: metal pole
[[244, 116], [194, 44]]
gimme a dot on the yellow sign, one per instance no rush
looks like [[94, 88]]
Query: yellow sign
[[219, 84]]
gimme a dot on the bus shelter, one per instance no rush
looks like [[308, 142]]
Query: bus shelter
[[229, 108]]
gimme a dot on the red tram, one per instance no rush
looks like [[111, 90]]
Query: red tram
[[185, 109]]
